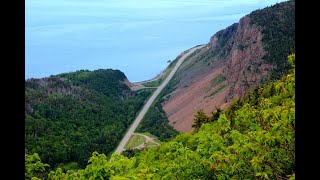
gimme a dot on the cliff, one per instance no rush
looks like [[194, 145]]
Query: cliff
[[235, 59]]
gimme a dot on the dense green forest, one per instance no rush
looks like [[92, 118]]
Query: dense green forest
[[252, 139], [278, 34], [68, 116]]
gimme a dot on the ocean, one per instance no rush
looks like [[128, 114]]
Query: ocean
[[137, 37]]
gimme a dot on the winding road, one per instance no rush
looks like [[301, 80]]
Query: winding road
[[145, 108]]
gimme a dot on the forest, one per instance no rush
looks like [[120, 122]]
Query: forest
[[278, 30], [254, 138], [69, 116]]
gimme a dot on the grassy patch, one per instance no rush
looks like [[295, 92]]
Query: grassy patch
[[152, 83], [217, 80], [191, 55], [134, 141], [160, 80], [146, 92], [217, 90], [150, 135], [150, 144], [152, 147]]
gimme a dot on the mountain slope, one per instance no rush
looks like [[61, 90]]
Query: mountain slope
[[253, 139], [243, 55], [68, 116]]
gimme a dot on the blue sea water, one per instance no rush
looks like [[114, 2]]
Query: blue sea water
[[137, 37]]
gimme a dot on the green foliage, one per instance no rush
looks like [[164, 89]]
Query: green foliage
[[199, 119], [98, 167], [155, 83], [129, 153], [69, 116], [215, 115], [292, 59], [219, 89], [242, 47], [34, 168], [191, 55], [224, 36], [105, 81], [278, 30], [217, 80], [135, 141], [69, 166], [252, 139], [156, 122]]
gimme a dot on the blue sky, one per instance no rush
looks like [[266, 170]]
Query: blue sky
[[137, 37]]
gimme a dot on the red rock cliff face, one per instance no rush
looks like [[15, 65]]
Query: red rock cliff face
[[244, 66], [234, 60], [234, 53]]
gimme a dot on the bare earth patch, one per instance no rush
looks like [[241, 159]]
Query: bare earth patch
[[140, 141], [183, 104]]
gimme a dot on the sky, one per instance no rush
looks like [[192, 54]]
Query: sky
[[137, 37]]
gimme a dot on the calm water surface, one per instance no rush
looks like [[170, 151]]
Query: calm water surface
[[137, 37]]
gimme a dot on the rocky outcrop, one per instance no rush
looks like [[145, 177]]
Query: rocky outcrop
[[244, 65], [233, 54], [238, 55]]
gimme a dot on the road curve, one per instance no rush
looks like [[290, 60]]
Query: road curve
[[148, 139], [145, 108]]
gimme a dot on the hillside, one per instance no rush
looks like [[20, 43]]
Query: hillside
[[254, 138], [233, 102], [245, 54], [70, 115]]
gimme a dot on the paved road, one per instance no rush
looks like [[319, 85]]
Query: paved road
[[145, 108]]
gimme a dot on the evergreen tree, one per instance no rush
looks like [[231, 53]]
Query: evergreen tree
[[199, 118]]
